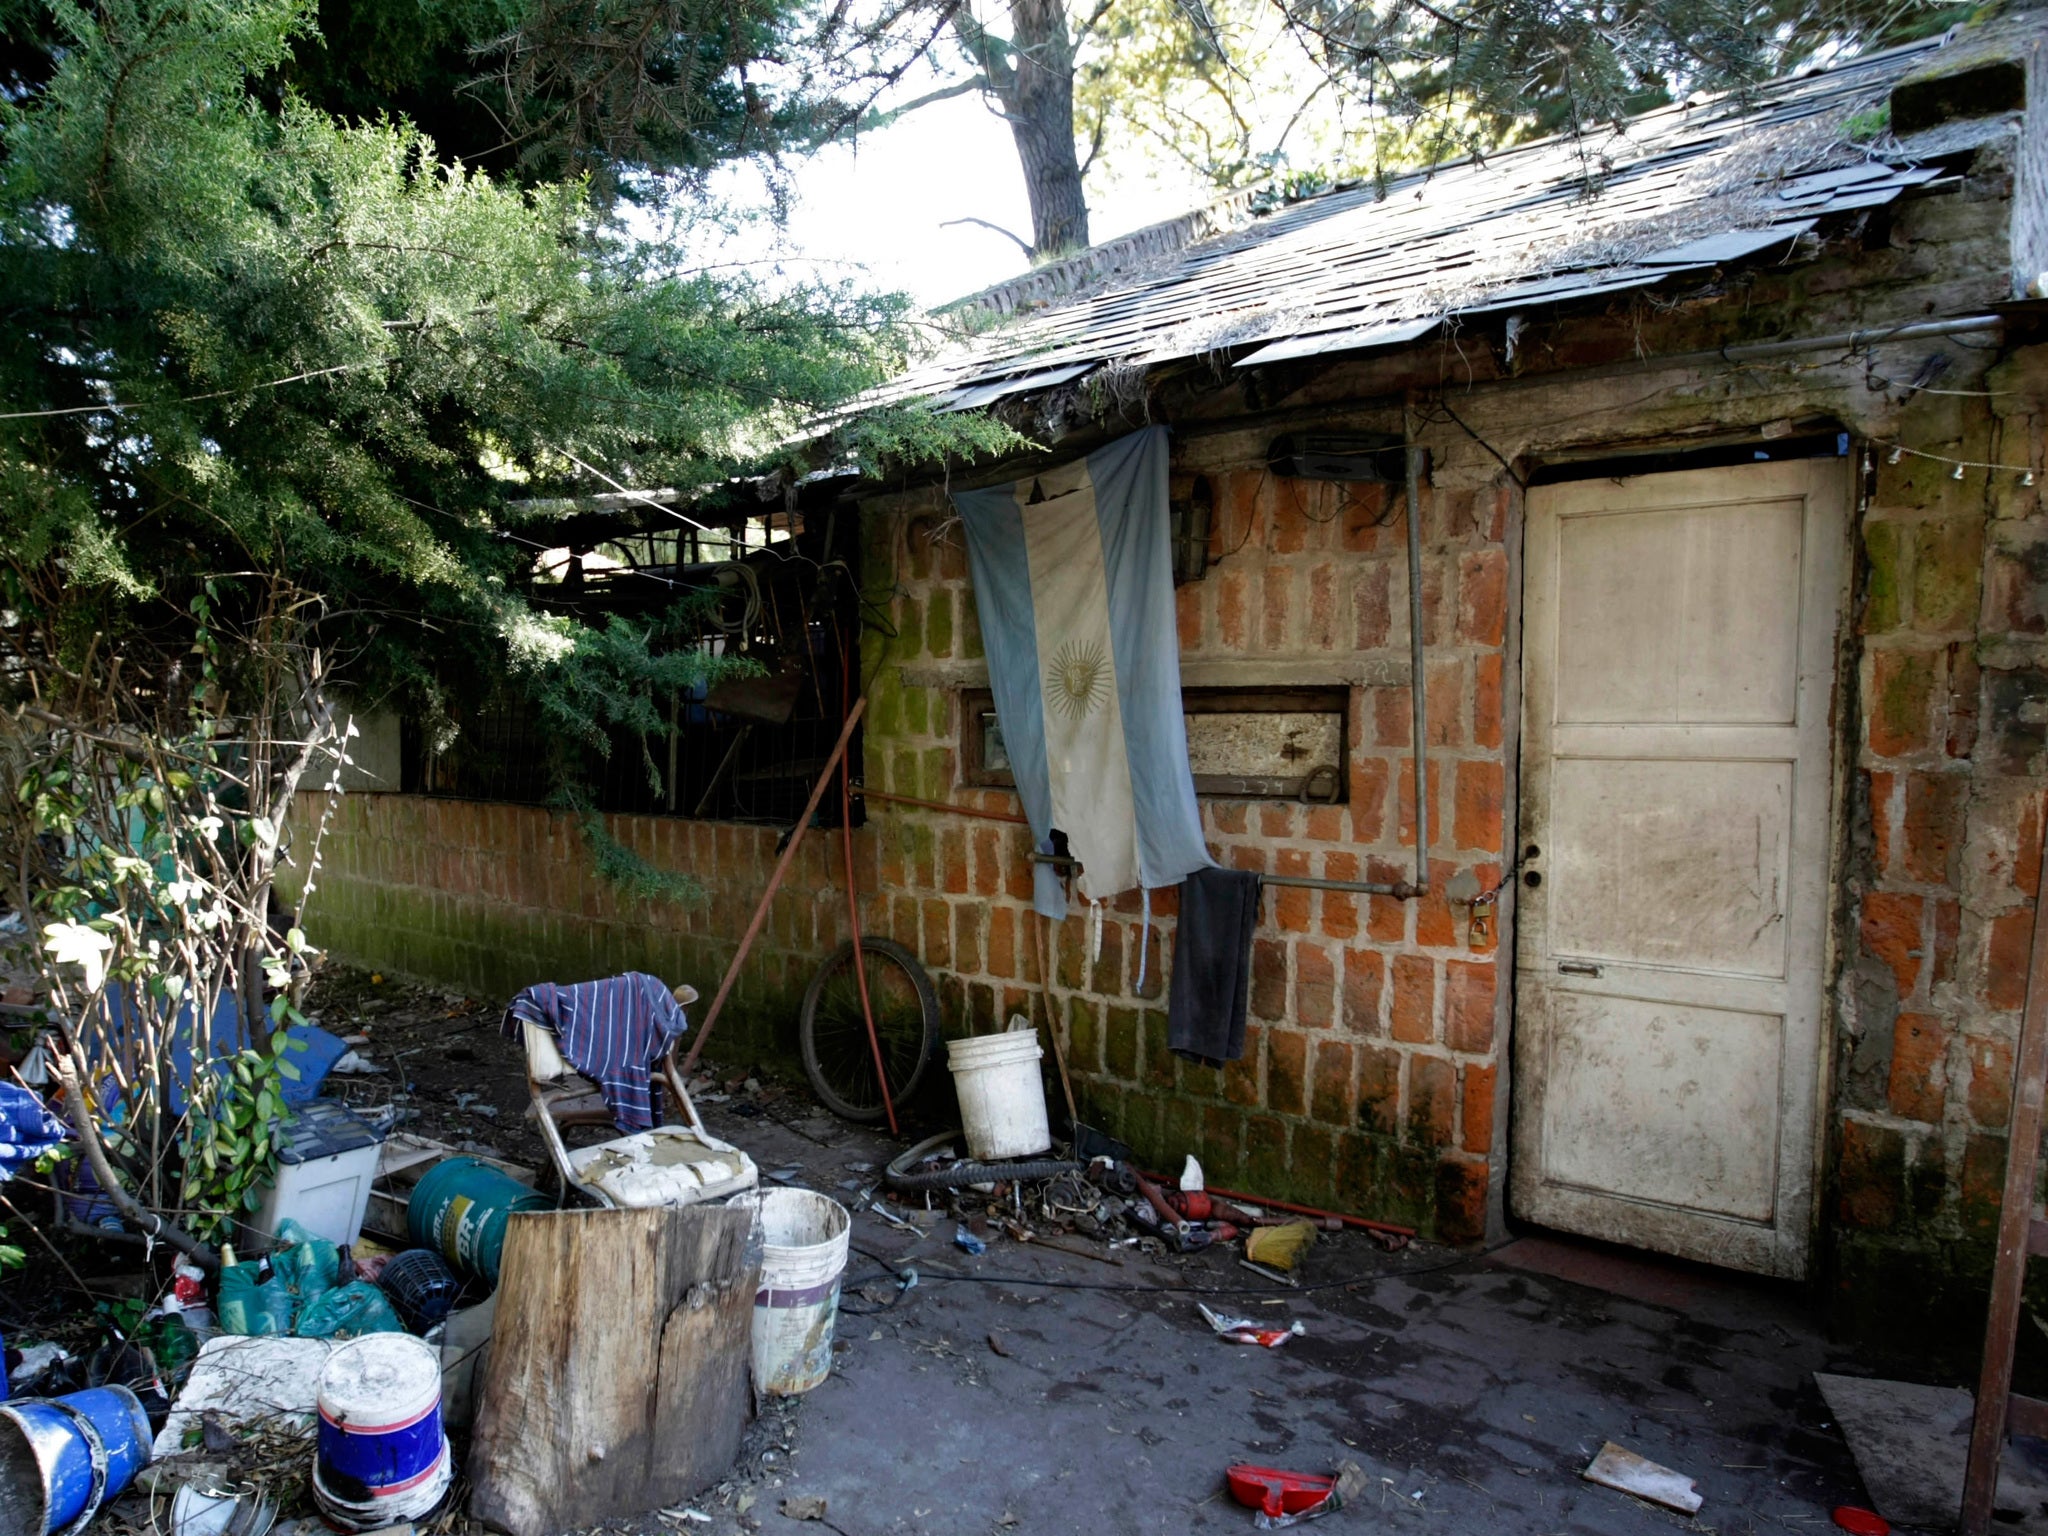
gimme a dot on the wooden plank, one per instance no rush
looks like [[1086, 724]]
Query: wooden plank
[[2015, 1225], [406, 1159], [618, 1374], [2026, 1416]]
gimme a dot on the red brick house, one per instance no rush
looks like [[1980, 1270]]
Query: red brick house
[[1734, 639]]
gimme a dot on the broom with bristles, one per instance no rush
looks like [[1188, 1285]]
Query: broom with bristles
[[1280, 1247]]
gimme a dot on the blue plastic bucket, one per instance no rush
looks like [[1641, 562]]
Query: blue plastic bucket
[[381, 1451], [460, 1209], [61, 1458]]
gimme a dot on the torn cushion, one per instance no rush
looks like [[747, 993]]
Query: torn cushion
[[670, 1165]]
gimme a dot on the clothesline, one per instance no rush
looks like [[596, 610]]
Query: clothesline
[[1067, 863]]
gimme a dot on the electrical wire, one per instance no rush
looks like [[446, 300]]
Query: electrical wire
[[668, 511], [1459, 422], [1132, 1289], [212, 394], [2026, 472]]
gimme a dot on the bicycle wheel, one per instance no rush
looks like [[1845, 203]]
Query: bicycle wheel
[[837, 1056]]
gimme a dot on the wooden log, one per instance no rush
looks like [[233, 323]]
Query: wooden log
[[619, 1370]]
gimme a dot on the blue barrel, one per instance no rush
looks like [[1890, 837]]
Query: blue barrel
[[421, 1286], [460, 1209], [62, 1458]]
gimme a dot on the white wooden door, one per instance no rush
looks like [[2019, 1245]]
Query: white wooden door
[[1676, 784]]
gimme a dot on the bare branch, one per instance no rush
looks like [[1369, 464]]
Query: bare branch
[[874, 120], [1023, 244]]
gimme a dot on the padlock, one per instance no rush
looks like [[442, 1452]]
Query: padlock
[[1479, 934]]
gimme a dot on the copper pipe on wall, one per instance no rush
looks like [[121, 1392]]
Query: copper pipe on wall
[[1417, 689]]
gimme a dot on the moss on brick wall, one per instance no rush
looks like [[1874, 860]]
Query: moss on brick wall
[[492, 898], [1947, 808]]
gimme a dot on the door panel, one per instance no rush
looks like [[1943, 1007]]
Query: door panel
[[1724, 585], [1679, 675], [1658, 1102], [1669, 861]]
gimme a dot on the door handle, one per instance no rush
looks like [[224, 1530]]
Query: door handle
[[1578, 968]]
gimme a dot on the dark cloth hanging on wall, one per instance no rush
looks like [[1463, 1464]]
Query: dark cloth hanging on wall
[[1212, 965]]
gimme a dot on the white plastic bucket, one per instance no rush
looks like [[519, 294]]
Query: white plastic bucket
[[1002, 1097], [803, 1254], [382, 1458]]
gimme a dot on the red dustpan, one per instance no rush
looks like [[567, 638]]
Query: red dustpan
[[1274, 1492]]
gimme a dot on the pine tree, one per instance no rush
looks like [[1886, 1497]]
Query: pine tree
[[277, 391]]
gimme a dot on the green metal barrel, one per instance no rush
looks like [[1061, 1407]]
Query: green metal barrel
[[460, 1208]]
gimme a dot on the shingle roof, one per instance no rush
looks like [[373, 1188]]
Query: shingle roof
[[1675, 190]]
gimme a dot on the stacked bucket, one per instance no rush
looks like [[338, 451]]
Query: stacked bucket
[[383, 1459]]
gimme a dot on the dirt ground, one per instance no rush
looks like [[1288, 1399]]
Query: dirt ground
[[1030, 1390], [445, 1067]]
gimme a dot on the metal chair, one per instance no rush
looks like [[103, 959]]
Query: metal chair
[[667, 1165]]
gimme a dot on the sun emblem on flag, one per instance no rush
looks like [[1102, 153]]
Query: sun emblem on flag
[[1078, 679]]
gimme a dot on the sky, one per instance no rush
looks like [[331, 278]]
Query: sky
[[875, 209]]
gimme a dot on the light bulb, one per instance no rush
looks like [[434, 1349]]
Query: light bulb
[[2027, 478], [1893, 456], [1958, 474]]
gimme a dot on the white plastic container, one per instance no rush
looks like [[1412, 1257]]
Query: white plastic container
[[326, 1163], [1002, 1096], [803, 1254]]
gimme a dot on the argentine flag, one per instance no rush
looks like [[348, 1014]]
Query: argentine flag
[[1073, 581]]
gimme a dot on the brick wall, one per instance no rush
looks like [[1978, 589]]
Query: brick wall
[[1370, 1069], [493, 898], [1375, 1077], [1947, 816]]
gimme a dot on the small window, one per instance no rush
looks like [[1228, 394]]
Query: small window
[[1248, 743]]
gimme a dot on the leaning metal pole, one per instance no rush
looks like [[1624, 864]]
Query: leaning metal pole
[[796, 837]]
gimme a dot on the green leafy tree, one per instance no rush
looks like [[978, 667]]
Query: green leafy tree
[[626, 93], [278, 388], [1481, 74]]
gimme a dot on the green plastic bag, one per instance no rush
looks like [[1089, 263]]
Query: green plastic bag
[[307, 1265], [245, 1303], [346, 1311]]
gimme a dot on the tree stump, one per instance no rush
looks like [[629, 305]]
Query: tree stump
[[618, 1378]]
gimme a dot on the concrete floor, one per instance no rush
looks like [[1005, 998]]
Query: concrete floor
[[1472, 1389]]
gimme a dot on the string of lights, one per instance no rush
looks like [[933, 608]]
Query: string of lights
[[1960, 468]]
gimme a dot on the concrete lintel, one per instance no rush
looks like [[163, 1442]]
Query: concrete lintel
[[1297, 671]]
